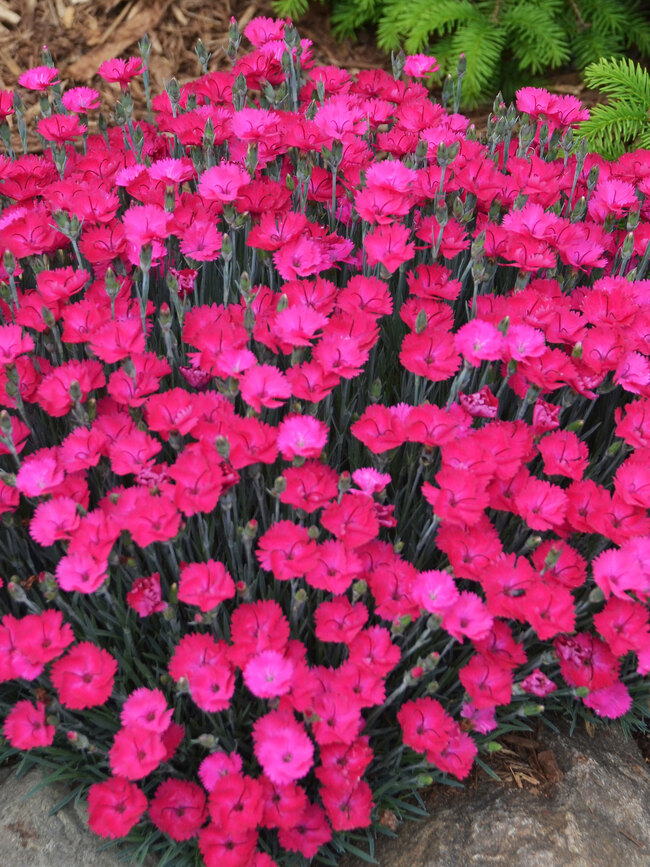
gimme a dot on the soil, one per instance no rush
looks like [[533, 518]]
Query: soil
[[81, 34]]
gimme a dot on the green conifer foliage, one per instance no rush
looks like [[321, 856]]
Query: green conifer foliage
[[624, 122]]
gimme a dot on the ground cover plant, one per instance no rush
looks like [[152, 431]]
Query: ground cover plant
[[324, 446]]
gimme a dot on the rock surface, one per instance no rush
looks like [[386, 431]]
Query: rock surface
[[595, 814], [592, 811], [29, 837]]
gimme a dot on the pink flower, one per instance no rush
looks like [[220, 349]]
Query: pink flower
[[40, 638], [217, 765], [60, 128], [301, 436], [425, 724], [81, 100], [40, 473], [121, 71], [310, 832], [25, 726], [136, 753], [178, 808], [84, 677], [482, 721], [6, 104], [146, 709], [222, 183], [538, 684], [205, 584], [13, 342], [282, 747], [269, 674], [348, 807], [389, 245], [145, 595], [114, 807], [610, 701], [420, 65], [478, 340], [81, 571], [39, 78], [201, 241]]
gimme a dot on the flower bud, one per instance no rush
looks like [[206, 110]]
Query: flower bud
[[203, 55], [48, 318], [5, 424], [182, 685], [75, 391], [592, 177], [397, 62], [279, 486], [533, 709], [359, 589], [222, 446], [15, 590], [78, 740], [442, 213], [165, 317], [614, 448], [421, 322], [173, 91]]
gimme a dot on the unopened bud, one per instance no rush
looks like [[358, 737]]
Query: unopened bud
[[592, 177], [5, 424], [222, 446], [226, 248], [48, 317], [173, 91], [75, 391], [421, 322], [279, 486], [165, 317], [359, 590]]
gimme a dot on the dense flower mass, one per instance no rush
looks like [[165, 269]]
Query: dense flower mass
[[324, 438]]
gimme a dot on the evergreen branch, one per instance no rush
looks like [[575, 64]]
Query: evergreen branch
[[416, 22], [638, 33], [612, 128], [606, 16], [538, 41], [290, 8], [619, 78], [589, 46], [349, 15]]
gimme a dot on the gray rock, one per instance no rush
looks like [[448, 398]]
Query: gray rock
[[29, 837], [594, 812]]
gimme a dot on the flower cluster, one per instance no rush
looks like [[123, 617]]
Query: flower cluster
[[323, 436]]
